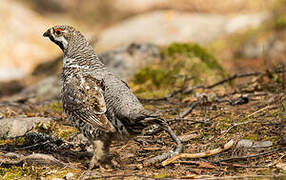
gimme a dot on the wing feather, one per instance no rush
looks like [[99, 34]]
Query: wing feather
[[87, 102]]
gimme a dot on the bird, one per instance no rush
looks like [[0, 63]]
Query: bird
[[97, 102]]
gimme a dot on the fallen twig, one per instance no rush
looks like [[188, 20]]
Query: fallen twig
[[191, 120], [199, 155]]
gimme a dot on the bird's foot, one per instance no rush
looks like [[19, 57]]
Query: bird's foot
[[93, 163], [104, 165]]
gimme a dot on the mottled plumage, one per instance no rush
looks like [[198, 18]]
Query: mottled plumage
[[96, 101]]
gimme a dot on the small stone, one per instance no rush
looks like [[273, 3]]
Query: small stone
[[244, 143], [262, 144], [68, 176]]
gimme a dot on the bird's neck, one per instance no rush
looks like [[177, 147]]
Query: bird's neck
[[81, 56]]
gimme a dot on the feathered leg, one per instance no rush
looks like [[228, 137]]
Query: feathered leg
[[101, 155]]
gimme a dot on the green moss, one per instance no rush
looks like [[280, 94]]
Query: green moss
[[16, 172], [252, 136], [280, 21], [162, 174], [64, 131], [17, 140], [157, 75], [193, 50], [153, 94], [55, 107]]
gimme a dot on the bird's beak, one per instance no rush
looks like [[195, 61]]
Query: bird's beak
[[47, 33]]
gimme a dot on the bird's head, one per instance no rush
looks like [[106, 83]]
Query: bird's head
[[62, 35]]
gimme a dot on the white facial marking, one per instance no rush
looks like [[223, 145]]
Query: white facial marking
[[63, 40]]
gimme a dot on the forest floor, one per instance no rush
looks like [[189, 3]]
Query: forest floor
[[239, 129]]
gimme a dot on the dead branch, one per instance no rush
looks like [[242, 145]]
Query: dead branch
[[231, 78], [199, 155], [189, 109], [235, 76]]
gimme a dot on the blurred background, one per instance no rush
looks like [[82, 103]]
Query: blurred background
[[241, 35]]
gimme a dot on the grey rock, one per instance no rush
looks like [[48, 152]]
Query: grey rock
[[14, 127], [262, 144], [163, 27], [126, 60], [244, 143], [48, 88], [270, 47]]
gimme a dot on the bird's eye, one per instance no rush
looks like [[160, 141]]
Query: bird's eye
[[59, 31]]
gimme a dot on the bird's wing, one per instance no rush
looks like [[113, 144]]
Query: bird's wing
[[89, 104]]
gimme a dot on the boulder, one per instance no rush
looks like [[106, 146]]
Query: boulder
[[126, 60], [164, 27], [14, 127]]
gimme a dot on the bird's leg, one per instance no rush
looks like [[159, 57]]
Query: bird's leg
[[94, 161], [100, 156]]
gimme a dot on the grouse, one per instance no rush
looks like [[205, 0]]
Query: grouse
[[96, 101]]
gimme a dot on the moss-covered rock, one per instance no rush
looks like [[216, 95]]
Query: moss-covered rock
[[193, 50], [182, 64]]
